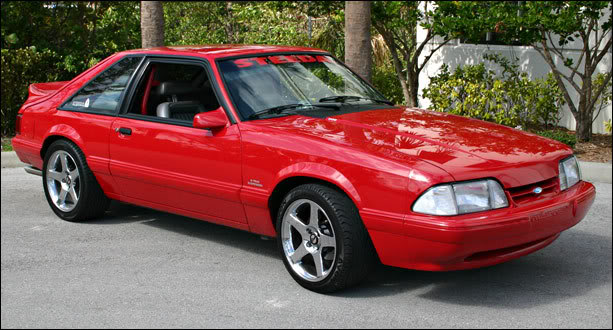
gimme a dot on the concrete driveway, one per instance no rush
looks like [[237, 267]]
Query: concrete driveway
[[143, 268]]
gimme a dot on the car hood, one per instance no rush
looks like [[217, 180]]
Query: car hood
[[463, 147]]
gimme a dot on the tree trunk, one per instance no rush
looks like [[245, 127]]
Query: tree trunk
[[229, 27], [584, 126], [152, 23], [358, 50], [406, 93], [413, 85]]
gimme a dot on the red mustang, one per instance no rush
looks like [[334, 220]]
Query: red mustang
[[288, 142]]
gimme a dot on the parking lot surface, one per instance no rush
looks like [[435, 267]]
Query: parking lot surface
[[142, 268]]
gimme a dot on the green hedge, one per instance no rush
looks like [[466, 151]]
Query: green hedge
[[561, 136], [20, 68], [509, 98]]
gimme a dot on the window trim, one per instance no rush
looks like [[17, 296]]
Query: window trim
[[173, 59], [103, 112], [155, 119], [313, 52]]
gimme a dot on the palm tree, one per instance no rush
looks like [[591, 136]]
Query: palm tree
[[357, 38], [152, 23]]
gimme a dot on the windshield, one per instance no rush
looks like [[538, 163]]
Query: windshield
[[260, 83]]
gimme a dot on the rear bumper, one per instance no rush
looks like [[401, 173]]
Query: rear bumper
[[483, 239], [27, 151]]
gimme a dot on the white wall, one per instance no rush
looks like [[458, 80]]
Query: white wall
[[530, 61]]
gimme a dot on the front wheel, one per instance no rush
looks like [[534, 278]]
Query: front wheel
[[322, 239], [70, 187]]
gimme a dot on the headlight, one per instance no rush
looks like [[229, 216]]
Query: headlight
[[570, 174], [462, 198]]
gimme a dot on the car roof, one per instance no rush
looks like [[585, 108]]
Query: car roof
[[218, 51]]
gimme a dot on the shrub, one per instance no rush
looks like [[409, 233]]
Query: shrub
[[20, 68], [384, 79], [561, 136], [510, 98], [607, 126]]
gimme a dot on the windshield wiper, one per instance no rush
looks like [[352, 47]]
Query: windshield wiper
[[282, 108], [275, 110], [345, 98], [340, 98]]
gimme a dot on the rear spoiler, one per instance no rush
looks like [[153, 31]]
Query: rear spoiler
[[40, 90]]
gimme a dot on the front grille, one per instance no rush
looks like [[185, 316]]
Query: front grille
[[525, 194]]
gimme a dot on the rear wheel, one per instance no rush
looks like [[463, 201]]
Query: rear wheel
[[322, 240], [70, 187]]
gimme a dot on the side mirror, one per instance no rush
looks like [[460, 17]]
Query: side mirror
[[215, 119]]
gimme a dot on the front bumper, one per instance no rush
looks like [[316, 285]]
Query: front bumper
[[482, 239]]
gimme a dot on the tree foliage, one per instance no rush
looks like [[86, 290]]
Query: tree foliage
[[81, 33], [551, 27], [20, 68], [248, 22], [397, 22]]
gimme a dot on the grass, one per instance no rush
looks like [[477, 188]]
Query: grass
[[6, 144]]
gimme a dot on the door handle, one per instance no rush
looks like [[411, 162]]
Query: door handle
[[124, 130]]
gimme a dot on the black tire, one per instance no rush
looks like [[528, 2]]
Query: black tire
[[355, 255], [92, 202]]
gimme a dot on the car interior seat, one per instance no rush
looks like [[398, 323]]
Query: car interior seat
[[181, 101]]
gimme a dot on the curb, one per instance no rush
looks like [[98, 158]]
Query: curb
[[592, 172], [10, 160], [596, 172]]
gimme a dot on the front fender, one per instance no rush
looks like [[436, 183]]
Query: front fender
[[256, 200], [321, 172]]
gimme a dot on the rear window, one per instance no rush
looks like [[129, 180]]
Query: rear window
[[104, 92]]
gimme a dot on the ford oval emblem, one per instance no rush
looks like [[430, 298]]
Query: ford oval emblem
[[537, 190]]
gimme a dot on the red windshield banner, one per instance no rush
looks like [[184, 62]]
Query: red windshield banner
[[280, 59]]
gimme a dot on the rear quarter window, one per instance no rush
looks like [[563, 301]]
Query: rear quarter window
[[104, 93]]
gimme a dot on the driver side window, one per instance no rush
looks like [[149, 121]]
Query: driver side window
[[175, 91]]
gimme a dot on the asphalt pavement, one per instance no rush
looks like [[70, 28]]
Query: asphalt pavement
[[143, 268]]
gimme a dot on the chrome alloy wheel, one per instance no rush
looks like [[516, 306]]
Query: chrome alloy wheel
[[63, 181], [308, 240]]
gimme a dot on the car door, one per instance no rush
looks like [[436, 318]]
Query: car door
[[90, 111], [168, 164]]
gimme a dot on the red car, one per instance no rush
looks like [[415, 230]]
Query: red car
[[288, 142]]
